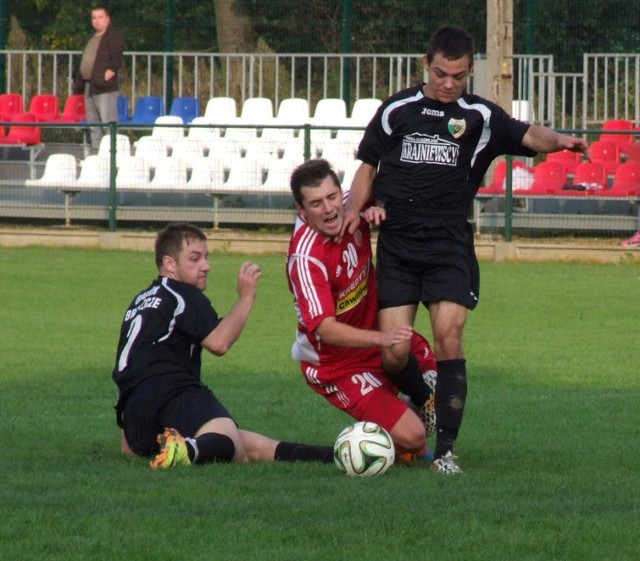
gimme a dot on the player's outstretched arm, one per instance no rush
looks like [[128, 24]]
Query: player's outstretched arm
[[545, 140], [221, 339]]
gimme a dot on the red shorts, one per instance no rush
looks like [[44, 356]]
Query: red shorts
[[366, 393]]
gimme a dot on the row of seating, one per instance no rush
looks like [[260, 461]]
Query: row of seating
[[254, 111], [211, 175], [552, 177], [45, 108], [170, 141]]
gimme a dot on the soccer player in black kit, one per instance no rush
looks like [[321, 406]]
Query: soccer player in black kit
[[424, 155], [164, 408]]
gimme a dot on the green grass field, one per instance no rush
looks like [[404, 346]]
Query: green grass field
[[550, 443]]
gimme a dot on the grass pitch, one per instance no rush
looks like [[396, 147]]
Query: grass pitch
[[549, 443]]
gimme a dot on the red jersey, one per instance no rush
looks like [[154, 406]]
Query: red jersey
[[330, 279]]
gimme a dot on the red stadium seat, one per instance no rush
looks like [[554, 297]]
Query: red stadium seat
[[626, 182], [74, 109], [632, 152], [548, 178], [10, 105], [566, 157], [497, 185], [605, 153], [45, 108], [620, 139], [22, 134], [590, 178]]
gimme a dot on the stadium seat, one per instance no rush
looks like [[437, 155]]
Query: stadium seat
[[133, 173], [123, 109], [203, 131], [151, 148], [256, 111], [123, 147], [590, 178], [329, 112], [245, 175], [605, 153], [10, 105], [226, 150], [189, 150], [568, 158], [631, 152], [74, 109], [621, 139], [170, 173], [340, 153], [363, 111], [60, 170], [626, 181], [548, 178], [187, 108], [170, 129], [349, 174], [147, 109], [498, 181], [278, 177], [45, 108], [20, 132], [221, 110], [94, 173], [292, 112], [264, 151], [207, 174]]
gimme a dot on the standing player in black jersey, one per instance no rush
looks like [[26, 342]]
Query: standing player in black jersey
[[424, 155], [164, 408]]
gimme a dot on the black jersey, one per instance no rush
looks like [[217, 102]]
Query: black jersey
[[434, 155], [161, 333]]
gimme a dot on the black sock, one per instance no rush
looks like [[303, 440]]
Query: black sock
[[451, 395], [211, 447], [410, 381], [294, 452]]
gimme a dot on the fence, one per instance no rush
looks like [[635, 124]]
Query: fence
[[606, 87], [237, 175]]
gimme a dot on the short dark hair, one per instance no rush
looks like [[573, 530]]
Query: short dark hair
[[103, 8], [311, 174], [170, 239], [451, 42]]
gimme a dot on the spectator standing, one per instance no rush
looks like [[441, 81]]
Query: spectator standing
[[98, 75]]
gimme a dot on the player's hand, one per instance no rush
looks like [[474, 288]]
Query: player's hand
[[397, 334], [375, 215], [350, 222], [248, 278]]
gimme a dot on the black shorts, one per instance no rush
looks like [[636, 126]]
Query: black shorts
[[147, 412], [426, 259]]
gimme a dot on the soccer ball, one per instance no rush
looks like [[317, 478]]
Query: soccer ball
[[364, 450]]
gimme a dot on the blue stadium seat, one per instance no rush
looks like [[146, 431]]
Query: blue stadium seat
[[186, 107], [147, 110], [123, 109]]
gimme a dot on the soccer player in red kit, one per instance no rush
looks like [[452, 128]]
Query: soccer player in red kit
[[338, 341]]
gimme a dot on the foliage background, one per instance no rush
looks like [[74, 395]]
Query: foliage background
[[316, 26]]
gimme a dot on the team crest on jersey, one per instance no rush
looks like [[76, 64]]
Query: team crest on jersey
[[457, 127], [357, 237]]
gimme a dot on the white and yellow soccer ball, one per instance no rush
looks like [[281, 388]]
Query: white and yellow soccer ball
[[364, 449]]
